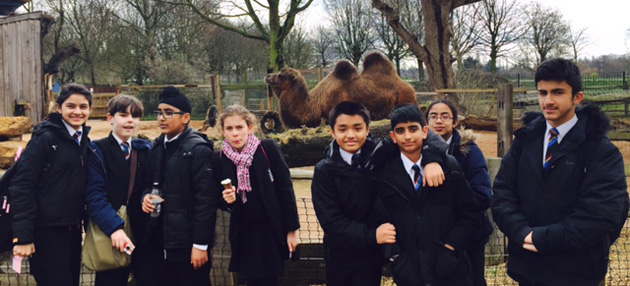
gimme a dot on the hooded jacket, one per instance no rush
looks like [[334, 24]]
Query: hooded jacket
[[575, 208], [48, 188], [473, 163], [184, 173]]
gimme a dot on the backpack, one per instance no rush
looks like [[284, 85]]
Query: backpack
[[6, 237]]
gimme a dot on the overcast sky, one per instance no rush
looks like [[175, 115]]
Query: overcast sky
[[607, 21]]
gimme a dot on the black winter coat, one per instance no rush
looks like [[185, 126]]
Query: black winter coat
[[276, 190], [188, 188], [575, 208], [473, 163], [48, 188], [345, 202], [425, 221]]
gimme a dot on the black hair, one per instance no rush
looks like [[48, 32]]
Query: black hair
[[406, 113], [119, 103], [559, 69], [73, 88], [448, 103], [348, 108]]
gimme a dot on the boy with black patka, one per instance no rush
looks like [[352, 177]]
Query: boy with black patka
[[433, 224], [344, 199], [109, 171], [180, 162], [47, 199]]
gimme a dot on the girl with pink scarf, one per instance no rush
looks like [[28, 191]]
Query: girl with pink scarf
[[264, 221]]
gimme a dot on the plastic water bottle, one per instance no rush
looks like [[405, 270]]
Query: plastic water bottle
[[158, 203]]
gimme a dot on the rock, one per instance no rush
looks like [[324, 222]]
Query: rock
[[15, 126], [8, 149]]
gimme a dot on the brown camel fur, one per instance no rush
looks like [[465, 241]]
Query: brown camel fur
[[378, 87]]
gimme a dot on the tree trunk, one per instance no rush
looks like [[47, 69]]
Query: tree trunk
[[436, 16], [493, 58], [421, 76]]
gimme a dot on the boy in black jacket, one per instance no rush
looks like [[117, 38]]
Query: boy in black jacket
[[433, 224], [47, 192], [560, 195], [109, 172], [344, 200], [180, 163]]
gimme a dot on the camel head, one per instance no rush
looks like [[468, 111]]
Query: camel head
[[287, 80]]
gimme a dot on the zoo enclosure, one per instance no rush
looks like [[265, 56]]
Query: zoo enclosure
[[309, 270]]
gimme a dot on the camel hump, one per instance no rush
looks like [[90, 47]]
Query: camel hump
[[376, 62], [345, 70]]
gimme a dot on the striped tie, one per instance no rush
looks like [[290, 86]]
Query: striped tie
[[417, 177], [552, 146], [76, 137], [125, 149]]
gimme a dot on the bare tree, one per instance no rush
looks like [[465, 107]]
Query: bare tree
[[298, 49], [502, 26], [435, 53], [465, 23], [352, 22], [547, 31], [579, 40], [394, 47], [323, 40], [279, 18], [90, 21]]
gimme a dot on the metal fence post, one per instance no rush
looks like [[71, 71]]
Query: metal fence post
[[505, 96], [625, 80]]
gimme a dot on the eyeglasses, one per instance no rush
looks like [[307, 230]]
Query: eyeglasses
[[444, 117], [166, 113]]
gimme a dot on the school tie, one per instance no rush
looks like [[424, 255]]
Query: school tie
[[76, 137], [552, 146], [417, 177], [355, 160], [125, 149]]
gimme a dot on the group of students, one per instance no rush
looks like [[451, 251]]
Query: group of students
[[172, 245], [560, 195], [418, 199]]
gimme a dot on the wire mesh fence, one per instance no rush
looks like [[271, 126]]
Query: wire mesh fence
[[310, 269]]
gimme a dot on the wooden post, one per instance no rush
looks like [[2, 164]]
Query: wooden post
[[505, 96], [246, 92], [216, 89], [320, 74]]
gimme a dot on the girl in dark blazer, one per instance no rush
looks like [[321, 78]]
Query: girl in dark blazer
[[264, 221]]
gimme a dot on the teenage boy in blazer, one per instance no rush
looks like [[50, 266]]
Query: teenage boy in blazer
[[433, 224], [560, 195], [109, 171]]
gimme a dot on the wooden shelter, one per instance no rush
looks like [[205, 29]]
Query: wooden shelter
[[21, 65]]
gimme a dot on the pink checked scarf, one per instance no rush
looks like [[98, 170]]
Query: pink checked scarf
[[242, 160]]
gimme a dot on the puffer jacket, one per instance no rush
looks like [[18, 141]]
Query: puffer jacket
[[184, 173]]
